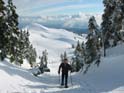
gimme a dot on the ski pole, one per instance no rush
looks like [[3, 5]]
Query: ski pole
[[71, 79], [59, 78]]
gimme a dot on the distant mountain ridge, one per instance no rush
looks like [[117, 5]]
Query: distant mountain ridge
[[74, 23]]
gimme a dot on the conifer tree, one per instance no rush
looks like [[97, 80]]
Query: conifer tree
[[12, 34], [14, 43], [92, 45], [112, 22], [65, 55], [106, 25], [44, 54], [78, 58], [3, 29], [78, 47], [117, 17], [26, 48], [62, 57], [91, 50], [73, 46], [31, 55]]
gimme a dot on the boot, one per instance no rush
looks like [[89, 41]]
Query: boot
[[66, 86]]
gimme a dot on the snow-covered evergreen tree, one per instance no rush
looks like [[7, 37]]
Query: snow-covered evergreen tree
[[122, 31], [78, 49], [79, 56], [12, 34], [3, 29], [73, 46], [31, 55], [45, 57], [112, 22], [14, 43], [92, 46], [117, 17], [26, 49], [107, 17], [65, 55], [106, 25], [62, 57], [93, 40]]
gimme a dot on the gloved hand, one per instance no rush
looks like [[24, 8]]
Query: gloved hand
[[71, 71], [58, 72]]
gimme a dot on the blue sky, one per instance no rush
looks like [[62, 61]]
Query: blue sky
[[57, 7]]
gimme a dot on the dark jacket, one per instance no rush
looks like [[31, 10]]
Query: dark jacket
[[65, 68]]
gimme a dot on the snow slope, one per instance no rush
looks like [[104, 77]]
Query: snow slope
[[107, 78], [56, 41], [14, 79]]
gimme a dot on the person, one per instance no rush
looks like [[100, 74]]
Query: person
[[64, 67], [41, 68]]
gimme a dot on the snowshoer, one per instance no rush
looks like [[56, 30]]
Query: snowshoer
[[41, 67], [64, 67]]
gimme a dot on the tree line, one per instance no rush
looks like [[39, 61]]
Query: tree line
[[14, 42]]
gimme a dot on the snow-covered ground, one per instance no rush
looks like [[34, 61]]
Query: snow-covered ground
[[107, 78]]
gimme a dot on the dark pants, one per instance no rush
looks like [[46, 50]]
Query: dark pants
[[64, 78]]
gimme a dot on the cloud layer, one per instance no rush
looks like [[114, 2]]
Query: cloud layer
[[72, 22]]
